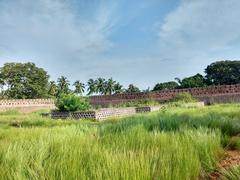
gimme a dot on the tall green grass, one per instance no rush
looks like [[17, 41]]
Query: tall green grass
[[223, 117], [175, 143], [231, 174], [77, 152]]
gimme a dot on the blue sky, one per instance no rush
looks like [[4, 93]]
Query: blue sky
[[134, 41]]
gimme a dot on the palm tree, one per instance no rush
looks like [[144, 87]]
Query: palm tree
[[92, 86], [79, 87], [118, 88], [63, 85], [101, 85], [53, 89], [178, 80], [110, 86]]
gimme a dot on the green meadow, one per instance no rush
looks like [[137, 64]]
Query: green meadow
[[175, 143]]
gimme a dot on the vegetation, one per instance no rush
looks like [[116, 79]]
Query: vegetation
[[231, 174], [137, 103], [165, 86], [223, 72], [26, 80], [132, 89], [183, 98], [23, 81], [174, 143], [79, 87], [71, 103], [193, 81]]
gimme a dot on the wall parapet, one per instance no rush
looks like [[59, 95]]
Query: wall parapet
[[165, 95]]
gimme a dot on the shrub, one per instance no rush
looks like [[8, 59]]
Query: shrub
[[72, 103], [137, 103], [183, 97]]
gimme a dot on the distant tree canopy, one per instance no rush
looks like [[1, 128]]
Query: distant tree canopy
[[223, 72], [132, 89], [23, 80], [192, 81], [26, 80], [165, 86]]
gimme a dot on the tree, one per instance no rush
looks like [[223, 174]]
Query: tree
[[1, 84], [133, 89], [165, 86], [92, 86], [118, 88], [53, 89], [223, 72], [24, 80], [192, 81], [63, 85], [101, 85], [110, 86], [79, 87]]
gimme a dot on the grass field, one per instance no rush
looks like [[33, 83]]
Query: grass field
[[174, 143]]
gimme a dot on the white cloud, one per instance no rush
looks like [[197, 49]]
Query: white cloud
[[199, 28], [44, 28]]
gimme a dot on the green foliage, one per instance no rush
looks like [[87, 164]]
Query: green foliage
[[79, 87], [226, 118], [165, 86], [192, 81], [23, 80], [72, 103], [118, 88], [137, 103], [104, 87], [109, 86], [74, 152], [63, 86], [223, 72], [132, 89], [231, 174], [183, 97], [233, 143], [53, 89], [177, 143]]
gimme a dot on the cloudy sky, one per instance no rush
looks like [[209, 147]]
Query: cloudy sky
[[134, 41]]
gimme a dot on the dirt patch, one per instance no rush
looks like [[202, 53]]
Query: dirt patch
[[231, 158]]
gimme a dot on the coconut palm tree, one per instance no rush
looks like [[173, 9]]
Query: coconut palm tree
[[101, 85], [79, 87], [118, 88], [110, 86], [63, 85], [53, 89], [92, 86]]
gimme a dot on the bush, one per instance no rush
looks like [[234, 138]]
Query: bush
[[71, 103], [137, 103], [183, 97]]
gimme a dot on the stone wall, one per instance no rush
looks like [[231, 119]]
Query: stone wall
[[26, 105], [220, 94]]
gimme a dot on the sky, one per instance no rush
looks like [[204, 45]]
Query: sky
[[143, 42]]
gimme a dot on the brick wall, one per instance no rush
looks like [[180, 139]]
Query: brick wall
[[224, 93]]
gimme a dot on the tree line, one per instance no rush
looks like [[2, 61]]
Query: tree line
[[27, 81]]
